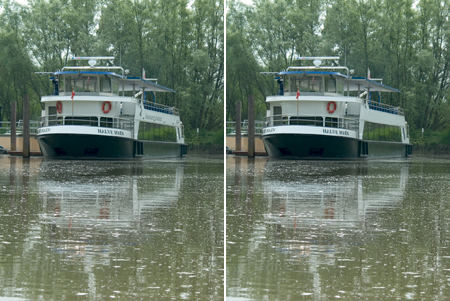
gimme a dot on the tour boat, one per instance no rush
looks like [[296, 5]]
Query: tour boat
[[95, 113], [320, 113]]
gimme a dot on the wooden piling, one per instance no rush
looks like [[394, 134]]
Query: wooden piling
[[238, 126], [251, 126], [13, 127], [26, 127]]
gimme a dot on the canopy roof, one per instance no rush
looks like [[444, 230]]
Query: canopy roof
[[129, 83], [354, 83]]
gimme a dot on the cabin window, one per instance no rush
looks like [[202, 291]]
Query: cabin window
[[331, 122], [90, 84], [85, 120], [330, 85], [156, 132], [310, 120], [340, 86], [51, 110], [293, 84], [115, 86], [61, 85], [52, 118], [80, 84], [105, 85], [286, 85], [315, 84], [382, 132], [106, 122]]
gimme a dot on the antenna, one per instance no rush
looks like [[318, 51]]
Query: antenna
[[92, 58]]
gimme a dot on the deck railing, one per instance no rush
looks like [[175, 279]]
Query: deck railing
[[153, 106], [88, 120], [382, 107], [323, 121], [5, 127]]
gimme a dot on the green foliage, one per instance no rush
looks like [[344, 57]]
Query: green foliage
[[179, 42], [404, 42], [204, 141]]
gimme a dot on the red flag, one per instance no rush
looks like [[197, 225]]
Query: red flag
[[73, 94], [298, 94]]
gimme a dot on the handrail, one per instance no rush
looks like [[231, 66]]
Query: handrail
[[87, 120], [319, 67], [94, 67], [153, 106], [322, 121], [5, 127], [382, 107], [231, 127]]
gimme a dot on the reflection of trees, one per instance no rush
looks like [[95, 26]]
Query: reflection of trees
[[154, 232], [356, 230]]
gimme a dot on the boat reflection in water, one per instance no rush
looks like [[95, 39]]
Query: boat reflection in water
[[316, 216], [96, 215]]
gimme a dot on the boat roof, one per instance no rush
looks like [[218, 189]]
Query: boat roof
[[354, 83], [129, 83]]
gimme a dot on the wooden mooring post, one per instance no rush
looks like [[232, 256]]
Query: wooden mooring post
[[251, 126], [26, 127], [13, 127], [238, 127]]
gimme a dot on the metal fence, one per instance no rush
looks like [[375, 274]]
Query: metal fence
[[5, 127], [231, 127]]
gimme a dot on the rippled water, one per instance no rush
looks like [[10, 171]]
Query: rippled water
[[77, 230], [311, 230]]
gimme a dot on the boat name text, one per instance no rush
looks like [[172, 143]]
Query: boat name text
[[336, 132], [269, 130], [152, 117], [44, 130], [111, 132]]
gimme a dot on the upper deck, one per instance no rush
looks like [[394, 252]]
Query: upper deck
[[306, 90], [102, 83]]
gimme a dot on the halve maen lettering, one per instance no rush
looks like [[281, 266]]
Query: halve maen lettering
[[111, 132], [336, 132]]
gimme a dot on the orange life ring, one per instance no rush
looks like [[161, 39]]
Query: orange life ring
[[104, 109], [331, 111], [59, 107]]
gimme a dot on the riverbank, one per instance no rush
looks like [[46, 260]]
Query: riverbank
[[430, 141], [206, 142]]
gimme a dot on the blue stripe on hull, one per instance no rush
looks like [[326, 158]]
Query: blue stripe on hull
[[76, 146], [328, 147]]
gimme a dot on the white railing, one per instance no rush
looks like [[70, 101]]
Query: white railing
[[5, 127], [153, 106], [231, 127], [377, 106], [88, 120], [323, 121]]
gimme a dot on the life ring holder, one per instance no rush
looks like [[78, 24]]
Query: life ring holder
[[105, 109], [59, 107], [331, 111]]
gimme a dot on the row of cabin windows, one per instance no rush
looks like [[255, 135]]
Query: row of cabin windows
[[92, 83], [317, 83], [382, 132], [157, 132]]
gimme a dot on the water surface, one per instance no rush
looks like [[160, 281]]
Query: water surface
[[90, 230], [314, 230]]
